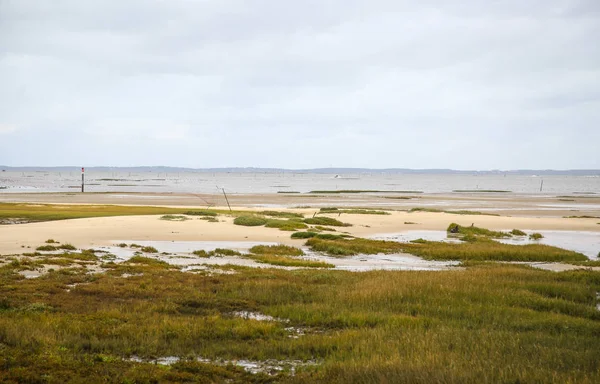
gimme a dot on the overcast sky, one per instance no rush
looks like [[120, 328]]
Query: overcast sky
[[463, 84]]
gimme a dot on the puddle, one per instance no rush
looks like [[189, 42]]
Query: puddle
[[257, 316], [270, 367], [180, 254], [587, 243]]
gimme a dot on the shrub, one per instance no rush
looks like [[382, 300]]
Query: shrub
[[149, 249], [517, 232]]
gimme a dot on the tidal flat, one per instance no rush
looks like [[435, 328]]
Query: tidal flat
[[145, 299]]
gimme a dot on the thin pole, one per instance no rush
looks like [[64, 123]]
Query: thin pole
[[82, 179], [542, 185], [226, 199]]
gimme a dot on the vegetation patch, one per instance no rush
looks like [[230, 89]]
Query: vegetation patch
[[326, 221], [286, 225], [203, 212], [489, 323], [476, 231], [517, 232], [286, 261], [582, 217], [284, 215], [50, 248], [482, 250], [459, 212], [174, 218], [250, 221], [149, 249], [279, 249], [353, 211], [536, 236]]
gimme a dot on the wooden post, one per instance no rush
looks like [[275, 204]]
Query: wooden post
[[82, 179], [542, 185], [226, 199]]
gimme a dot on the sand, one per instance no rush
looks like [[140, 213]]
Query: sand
[[105, 231]]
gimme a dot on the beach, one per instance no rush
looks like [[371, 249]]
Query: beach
[[524, 212]]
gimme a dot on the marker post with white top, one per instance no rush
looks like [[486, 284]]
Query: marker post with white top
[[82, 179]]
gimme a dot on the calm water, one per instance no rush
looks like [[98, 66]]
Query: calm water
[[196, 182]]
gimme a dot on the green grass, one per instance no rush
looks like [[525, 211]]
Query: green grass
[[49, 248], [517, 232], [326, 221], [353, 211], [283, 215], [536, 236], [174, 218], [286, 261], [203, 212], [582, 217], [149, 249], [250, 221], [280, 250], [479, 249], [286, 225], [489, 323], [459, 212], [473, 231]]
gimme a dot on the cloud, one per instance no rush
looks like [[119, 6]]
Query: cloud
[[7, 128], [426, 84]]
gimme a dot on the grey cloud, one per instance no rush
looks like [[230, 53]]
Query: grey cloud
[[378, 83]]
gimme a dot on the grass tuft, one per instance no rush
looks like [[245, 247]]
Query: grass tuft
[[250, 221]]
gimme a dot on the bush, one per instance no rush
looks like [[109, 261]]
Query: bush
[[149, 249], [250, 221], [536, 236], [517, 232]]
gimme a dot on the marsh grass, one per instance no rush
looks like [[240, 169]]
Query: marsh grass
[[286, 225], [518, 232], [327, 221], [250, 221], [582, 217], [536, 236], [338, 191], [286, 261], [453, 212], [280, 250], [149, 249], [174, 218], [487, 324], [353, 211], [50, 248], [473, 231], [476, 249]]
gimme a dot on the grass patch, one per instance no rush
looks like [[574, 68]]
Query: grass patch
[[280, 249], [286, 261], [203, 212], [326, 221], [51, 241], [353, 211], [582, 217], [490, 323], [459, 212], [481, 250], [50, 248], [286, 225], [473, 231], [174, 218], [536, 236], [517, 232], [250, 221], [284, 215], [149, 249]]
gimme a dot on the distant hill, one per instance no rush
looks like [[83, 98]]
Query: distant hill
[[337, 171]]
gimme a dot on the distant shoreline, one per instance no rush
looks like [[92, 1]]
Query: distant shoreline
[[161, 169]]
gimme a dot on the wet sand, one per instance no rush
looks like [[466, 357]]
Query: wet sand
[[96, 232]]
